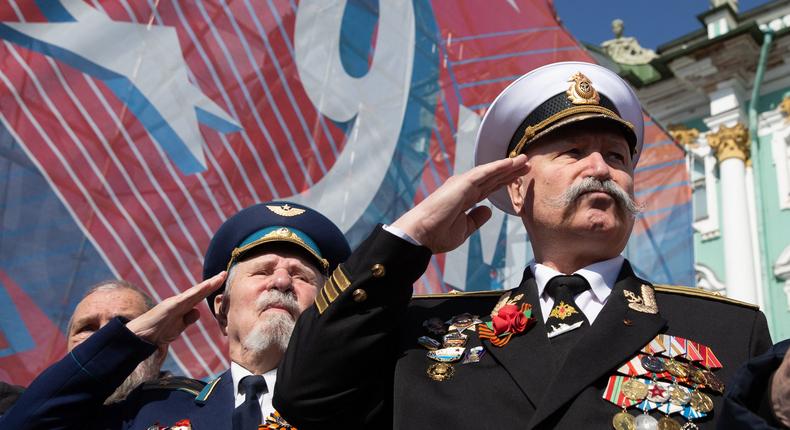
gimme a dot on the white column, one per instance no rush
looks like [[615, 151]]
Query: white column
[[738, 252], [757, 255]]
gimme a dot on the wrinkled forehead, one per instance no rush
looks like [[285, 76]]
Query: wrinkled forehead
[[109, 303], [279, 254]]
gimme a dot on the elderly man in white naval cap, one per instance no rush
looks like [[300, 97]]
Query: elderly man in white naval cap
[[582, 342]]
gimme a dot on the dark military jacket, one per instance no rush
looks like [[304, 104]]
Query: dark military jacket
[[70, 393], [354, 360], [747, 402]]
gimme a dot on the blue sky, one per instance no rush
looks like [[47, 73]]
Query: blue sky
[[652, 22]]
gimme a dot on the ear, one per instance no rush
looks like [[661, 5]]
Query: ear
[[221, 319], [516, 191]]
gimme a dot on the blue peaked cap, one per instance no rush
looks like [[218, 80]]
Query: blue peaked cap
[[275, 222]]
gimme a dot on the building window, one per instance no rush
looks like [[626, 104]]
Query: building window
[[704, 177], [781, 155], [699, 188]]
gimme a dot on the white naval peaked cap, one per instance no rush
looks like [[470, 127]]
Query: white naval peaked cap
[[550, 97]]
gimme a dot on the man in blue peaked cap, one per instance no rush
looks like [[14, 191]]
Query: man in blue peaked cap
[[263, 268]]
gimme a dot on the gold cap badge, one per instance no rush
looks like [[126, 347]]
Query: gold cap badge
[[285, 210], [581, 91]]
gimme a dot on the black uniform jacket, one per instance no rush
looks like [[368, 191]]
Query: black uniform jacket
[[354, 360]]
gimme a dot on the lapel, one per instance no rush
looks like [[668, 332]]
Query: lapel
[[525, 357], [607, 343], [216, 403]]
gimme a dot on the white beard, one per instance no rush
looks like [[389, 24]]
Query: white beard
[[145, 371], [272, 332]]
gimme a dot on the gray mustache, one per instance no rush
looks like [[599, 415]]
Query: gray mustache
[[591, 185], [277, 298]]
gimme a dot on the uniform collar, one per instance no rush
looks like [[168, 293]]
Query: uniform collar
[[237, 372], [601, 275]]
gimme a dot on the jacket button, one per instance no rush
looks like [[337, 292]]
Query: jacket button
[[359, 295], [378, 270], [628, 322]]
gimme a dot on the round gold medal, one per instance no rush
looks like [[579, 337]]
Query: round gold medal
[[667, 423], [697, 376], [678, 395], [701, 402], [634, 389], [677, 369], [713, 382], [440, 371], [624, 421]]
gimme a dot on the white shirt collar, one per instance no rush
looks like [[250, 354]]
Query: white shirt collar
[[237, 372], [601, 276]]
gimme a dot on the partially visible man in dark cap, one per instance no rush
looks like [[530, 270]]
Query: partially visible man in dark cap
[[263, 267], [582, 343]]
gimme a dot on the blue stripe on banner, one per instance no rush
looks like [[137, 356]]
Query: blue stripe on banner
[[12, 326], [54, 11], [489, 81], [506, 33], [662, 187], [659, 143], [664, 252], [125, 90], [516, 54], [659, 165], [52, 276], [659, 211], [479, 106]]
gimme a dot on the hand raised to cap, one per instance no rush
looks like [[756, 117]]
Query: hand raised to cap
[[165, 321], [441, 222]]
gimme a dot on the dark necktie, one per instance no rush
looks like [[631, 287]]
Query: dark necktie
[[565, 316], [248, 415]]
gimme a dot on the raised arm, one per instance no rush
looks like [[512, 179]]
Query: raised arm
[[339, 366]]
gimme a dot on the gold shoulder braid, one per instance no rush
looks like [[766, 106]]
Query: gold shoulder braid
[[700, 293]]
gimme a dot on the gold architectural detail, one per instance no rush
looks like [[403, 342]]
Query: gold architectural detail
[[684, 135], [730, 142], [784, 107]]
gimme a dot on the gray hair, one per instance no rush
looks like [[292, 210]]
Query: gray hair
[[115, 284]]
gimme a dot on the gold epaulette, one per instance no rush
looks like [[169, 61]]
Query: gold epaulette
[[704, 294], [459, 294]]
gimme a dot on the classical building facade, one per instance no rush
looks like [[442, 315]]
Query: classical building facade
[[723, 92]]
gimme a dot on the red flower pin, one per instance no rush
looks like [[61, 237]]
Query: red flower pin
[[509, 320]]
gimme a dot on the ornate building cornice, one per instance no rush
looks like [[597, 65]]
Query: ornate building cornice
[[784, 107], [730, 142], [684, 135]]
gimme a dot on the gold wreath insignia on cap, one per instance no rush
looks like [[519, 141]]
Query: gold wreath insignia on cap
[[581, 91], [285, 210]]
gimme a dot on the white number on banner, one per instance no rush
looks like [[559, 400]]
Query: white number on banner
[[377, 100]]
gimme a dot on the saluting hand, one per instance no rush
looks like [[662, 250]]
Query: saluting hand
[[441, 223], [165, 321]]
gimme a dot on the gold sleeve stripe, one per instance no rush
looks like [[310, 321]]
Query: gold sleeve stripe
[[320, 302], [340, 279], [331, 290]]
